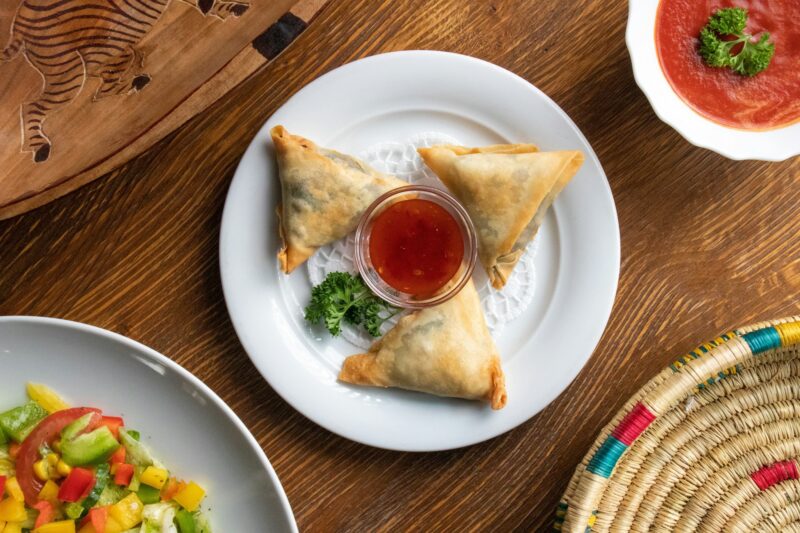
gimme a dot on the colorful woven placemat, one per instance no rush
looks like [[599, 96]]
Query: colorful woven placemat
[[712, 443]]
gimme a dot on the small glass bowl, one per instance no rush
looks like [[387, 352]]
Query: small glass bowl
[[370, 275]]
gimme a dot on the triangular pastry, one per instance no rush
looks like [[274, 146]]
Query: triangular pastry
[[324, 193], [506, 189], [444, 350]]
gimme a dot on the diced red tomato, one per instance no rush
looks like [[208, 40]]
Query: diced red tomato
[[2, 486], [77, 485], [170, 488], [118, 456], [13, 450], [46, 513], [98, 516], [124, 474], [45, 432], [113, 423]]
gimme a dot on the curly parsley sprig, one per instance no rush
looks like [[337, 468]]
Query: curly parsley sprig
[[717, 52], [343, 296]]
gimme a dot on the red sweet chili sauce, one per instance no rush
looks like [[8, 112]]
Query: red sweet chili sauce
[[769, 99], [416, 246]]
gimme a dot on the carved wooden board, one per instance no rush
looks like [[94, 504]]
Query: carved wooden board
[[85, 85]]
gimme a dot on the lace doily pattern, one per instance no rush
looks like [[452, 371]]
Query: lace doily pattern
[[402, 160]]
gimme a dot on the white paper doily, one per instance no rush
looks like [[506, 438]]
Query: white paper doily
[[402, 160]]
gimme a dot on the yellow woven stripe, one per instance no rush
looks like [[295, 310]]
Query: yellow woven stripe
[[789, 333]]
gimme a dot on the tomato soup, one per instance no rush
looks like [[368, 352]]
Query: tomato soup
[[770, 99], [416, 246]]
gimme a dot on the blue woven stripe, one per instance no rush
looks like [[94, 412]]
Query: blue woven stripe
[[606, 457], [762, 340]]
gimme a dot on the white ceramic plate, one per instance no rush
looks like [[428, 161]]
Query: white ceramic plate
[[391, 97], [770, 145], [185, 424]]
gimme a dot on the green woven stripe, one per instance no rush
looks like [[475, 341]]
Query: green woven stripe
[[762, 340], [606, 457]]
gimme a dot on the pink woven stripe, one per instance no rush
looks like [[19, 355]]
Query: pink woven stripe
[[633, 424], [768, 476]]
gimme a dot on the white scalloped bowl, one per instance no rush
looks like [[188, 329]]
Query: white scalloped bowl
[[768, 145]]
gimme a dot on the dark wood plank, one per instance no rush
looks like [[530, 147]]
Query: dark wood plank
[[707, 244], [98, 136]]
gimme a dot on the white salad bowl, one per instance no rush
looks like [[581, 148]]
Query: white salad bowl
[[188, 427], [767, 145]]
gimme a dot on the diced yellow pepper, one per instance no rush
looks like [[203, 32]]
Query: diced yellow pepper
[[112, 526], [63, 468], [49, 492], [52, 459], [41, 470], [12, 511], [13, 528], [13, 489], [155, 477], [190, 496], [46, 397], [62, 526], [2, 525], [127, 512]]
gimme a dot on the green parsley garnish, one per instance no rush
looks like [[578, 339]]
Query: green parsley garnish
[[754, 55], [343, 296]]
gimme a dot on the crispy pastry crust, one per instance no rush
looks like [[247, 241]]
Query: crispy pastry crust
[[444, 350], [506, 189], [323, 195]]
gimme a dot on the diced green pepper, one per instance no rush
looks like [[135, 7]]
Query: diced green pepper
[[185, 521], [20, 421], [89, 448], [135, 435], [101, 476], [3, 438], [148, 494], [73, 510]]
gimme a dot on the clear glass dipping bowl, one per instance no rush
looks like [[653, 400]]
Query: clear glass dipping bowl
[[370, 275]]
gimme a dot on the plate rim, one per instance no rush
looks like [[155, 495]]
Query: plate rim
[[614, 245], [173, 366]]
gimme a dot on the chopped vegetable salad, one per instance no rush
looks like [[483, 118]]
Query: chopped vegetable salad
[[75, 470]]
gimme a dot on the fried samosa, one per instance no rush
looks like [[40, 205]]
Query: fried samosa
[[506, 189], [324, 193], [444, 350]]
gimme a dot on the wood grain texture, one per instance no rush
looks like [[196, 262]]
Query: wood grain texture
[[707, 244], [203, 59]]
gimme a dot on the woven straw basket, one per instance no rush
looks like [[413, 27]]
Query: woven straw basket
[[712, 443]]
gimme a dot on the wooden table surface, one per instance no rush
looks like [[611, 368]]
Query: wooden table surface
[[707, 244]]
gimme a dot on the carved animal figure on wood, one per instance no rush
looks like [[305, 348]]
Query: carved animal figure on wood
[[68, 41]]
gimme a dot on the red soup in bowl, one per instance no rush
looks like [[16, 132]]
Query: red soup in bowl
[[770, 99]]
